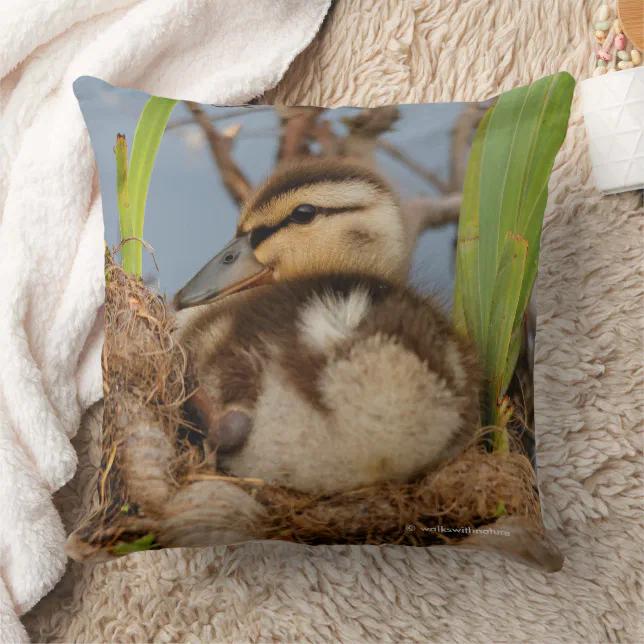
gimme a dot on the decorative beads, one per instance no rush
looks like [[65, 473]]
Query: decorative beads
[[615, 52]]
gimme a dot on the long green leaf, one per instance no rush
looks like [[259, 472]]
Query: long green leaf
[[550, 135], [503, 309], [498, 197], [467, 284], [467, 255], [526, 130], [513, 354], [123, 202], [147, 139], [504, 200]]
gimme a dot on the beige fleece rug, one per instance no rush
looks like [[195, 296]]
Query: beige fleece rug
[[589, 381]]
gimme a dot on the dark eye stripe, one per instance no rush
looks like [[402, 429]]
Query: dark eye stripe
[[262, 233], [339, 210], [258, 235]]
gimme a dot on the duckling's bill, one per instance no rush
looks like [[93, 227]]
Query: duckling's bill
[[234, 269]]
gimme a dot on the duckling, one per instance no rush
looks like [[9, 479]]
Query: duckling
[[318, 368]]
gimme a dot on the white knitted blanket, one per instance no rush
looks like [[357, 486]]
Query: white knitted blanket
[[51, 226], [589, 383]]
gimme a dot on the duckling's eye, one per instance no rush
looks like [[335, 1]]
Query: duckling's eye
[[303, 214]]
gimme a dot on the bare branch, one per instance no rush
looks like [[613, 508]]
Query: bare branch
[[462, 135], [426, 174], [329, 142], [237, 185], [422, 213], [365, 129], [298, 125], [223, 116]]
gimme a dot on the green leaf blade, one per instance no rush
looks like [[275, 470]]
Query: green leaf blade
[[147, 542], [498, 174], [503, 310], [525, 133], [466, 310], [470, 322], [123, 203], [504, 201], [513, 355], [147, 139], [550, 132]]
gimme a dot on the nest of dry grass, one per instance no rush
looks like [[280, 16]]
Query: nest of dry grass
[[151, 453], [146, 380], [471, 491]]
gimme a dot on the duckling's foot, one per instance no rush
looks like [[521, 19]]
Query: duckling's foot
[[225, 432], [230, 432]]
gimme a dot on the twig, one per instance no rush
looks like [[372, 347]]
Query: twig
[[426, 174], [216, 477], [365, 128], [108, 467], [298, 125], [328, 141], [127, 239], [462, 133], [237, 185], [219, 117], [422, 213]]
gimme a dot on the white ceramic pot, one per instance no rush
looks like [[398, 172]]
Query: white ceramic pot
[[613, 106]]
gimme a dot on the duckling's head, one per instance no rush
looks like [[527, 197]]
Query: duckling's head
[[310, 218]]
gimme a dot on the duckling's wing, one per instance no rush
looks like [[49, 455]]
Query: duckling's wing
[[377, 385]]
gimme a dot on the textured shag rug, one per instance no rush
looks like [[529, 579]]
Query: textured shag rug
[[589, 395]]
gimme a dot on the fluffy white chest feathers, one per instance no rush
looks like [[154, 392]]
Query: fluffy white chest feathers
[[328, 320]]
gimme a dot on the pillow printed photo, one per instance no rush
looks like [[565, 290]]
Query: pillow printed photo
[[320, 323]]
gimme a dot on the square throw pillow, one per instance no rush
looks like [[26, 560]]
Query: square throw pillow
[[320, 323]]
